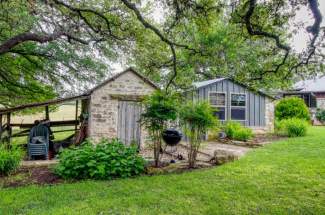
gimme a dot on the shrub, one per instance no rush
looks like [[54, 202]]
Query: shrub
[[105, 160], [196, 119], [320, 115], [235, 131], [9, 159], [243, 134], [160, 109], [291, 127], [291, 107]]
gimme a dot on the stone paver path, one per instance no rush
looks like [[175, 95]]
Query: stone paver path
[[211, 147], [39, 163], [206, 153], [208, 148]]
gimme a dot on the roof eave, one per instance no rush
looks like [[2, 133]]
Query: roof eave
[[231, 79], [121, 73]]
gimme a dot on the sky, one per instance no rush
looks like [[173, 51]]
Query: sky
[[300, 40]]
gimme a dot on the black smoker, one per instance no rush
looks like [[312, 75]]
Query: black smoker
[[172, 137]]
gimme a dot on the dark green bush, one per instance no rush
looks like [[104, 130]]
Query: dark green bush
[[320, 115], [291, 107], [235, 131], [105, 160], [9, 159], [291, 127]]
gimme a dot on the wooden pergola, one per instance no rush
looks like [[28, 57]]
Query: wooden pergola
[[5, 116]]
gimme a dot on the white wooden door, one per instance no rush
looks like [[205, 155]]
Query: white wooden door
[[129, 122]]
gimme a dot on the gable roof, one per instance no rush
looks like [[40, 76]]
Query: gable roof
[[77, 97], [130, 69], [213, 81], [312, 85]]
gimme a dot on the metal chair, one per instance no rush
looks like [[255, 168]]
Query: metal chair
[[38, 141]]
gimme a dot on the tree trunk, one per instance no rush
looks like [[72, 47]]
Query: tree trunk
[[157, 147]]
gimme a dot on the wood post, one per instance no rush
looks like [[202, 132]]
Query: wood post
[[47, 113], [84, 106], [76, 117], [0, 125], [9, 128]]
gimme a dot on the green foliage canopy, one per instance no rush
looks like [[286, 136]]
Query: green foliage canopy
[[50, 47]]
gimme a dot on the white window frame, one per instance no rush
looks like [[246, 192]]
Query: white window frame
[[217, 106], [240, 120]]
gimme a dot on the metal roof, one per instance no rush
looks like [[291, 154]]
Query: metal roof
[[208, 82], [212, 81], [313, 85]]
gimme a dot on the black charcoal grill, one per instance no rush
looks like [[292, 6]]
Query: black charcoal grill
[[172, 137]]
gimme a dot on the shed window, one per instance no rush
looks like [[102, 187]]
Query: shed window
[[238, 106], [220, 113], [218, 100]]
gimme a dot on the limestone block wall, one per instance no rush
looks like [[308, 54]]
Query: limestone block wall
[[103, 107], [269, 114], [320, 103]]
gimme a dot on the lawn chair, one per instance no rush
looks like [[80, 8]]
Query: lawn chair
[[38, 141]]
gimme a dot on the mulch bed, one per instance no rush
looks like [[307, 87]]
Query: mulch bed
[[41, 175], [179, 167]]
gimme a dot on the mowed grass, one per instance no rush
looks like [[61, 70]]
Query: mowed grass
[[286, 177], [63, 112]]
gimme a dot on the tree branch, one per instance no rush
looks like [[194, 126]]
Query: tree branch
[[27, 36], [276, 38], [20, 38], [80, 12], [314, 29], [163, 38]]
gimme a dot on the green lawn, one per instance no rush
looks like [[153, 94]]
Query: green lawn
[[286, 177]]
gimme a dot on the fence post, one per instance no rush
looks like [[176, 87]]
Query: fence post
[[76, 117], [47, 114], [9, 128], [0, 126]]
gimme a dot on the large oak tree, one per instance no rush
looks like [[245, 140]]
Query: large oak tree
[[47, 46]]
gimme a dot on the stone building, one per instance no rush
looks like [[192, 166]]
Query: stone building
[[114, 107], [110, 110]]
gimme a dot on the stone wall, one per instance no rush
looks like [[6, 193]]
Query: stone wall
[[269, 114], [320, 103], [269, 118], [103, 107]]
